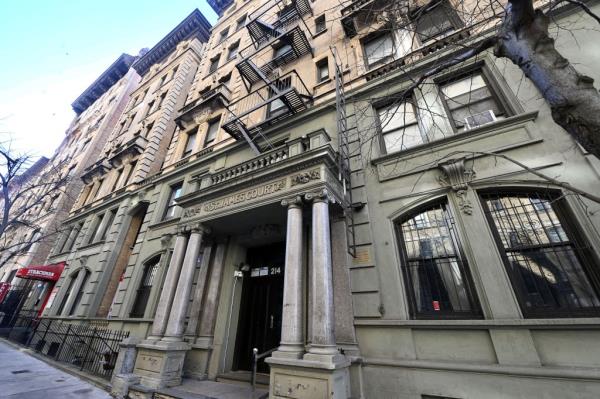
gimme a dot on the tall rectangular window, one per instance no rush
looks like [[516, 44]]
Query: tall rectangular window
[[214, 64], [80, 293], [240, 23], [437, 20], [223, 35], [320, 24], [277, 107], [143, 293], [65, 297], [148, 129], [471, 101], [94, 228], [233, 50], [322, 70], [118, 175], [171, 208], [108, 223], [161, 100], [190, 143], [435, 270], [399, 127], [132, 166], [379, 49], [550, 264], [211, 132]]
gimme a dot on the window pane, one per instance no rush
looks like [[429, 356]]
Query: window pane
[[191, 142], [282, 50], [402, 139], [470, 98], [211, 133], [433, 266], [399, 126], [542, 261], [396, 116], [379, 49], [435, 22]]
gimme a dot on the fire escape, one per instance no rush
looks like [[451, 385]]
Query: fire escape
[[279, 36], [345, 125]]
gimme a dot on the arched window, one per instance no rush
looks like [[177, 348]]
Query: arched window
[[435, 271], [550, 264], [145, 287]]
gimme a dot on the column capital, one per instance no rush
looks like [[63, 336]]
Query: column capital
[[292, 202], [181, 230], [199, 228], [323, 195]]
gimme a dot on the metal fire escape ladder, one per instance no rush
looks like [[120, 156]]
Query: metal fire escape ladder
[[344, 171]]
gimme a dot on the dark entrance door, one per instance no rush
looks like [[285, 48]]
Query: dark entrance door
[[260, 310]]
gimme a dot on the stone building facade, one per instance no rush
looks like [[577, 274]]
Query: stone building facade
[[97, 110], [283, 198]]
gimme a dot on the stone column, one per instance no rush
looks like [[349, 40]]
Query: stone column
[[321, 285], [292, 336], [192, 326], [176, 322], [209, 311], [168, 291]]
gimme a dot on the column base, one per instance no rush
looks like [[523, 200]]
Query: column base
[[160, 364], [302, 378], [289, 351]]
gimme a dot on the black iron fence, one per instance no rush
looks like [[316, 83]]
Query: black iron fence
[[92, 349]]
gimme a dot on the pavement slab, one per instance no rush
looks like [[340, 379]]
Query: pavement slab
[[24, 377]]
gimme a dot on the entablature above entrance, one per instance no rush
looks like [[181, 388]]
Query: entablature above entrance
[[296, 169]]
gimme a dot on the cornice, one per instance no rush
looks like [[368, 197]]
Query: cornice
[[109, 77], [194, 25]]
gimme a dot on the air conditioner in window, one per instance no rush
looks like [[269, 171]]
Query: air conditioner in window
[[480, 119]]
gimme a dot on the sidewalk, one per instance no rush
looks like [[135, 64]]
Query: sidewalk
[[25, 377]]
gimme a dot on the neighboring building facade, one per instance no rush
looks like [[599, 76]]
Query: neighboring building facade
[[284, 198], [110, 216], [98, 108]]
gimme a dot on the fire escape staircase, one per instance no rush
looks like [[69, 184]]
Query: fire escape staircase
[[271, 27]]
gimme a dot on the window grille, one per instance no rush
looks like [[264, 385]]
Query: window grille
[[434, 268], [551, 267]]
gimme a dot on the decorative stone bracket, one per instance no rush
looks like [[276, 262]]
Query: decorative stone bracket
[[456, 175]]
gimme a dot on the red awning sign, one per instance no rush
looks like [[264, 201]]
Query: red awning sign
[[45, 273]]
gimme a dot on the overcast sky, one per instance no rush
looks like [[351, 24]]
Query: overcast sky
[[53, 50]]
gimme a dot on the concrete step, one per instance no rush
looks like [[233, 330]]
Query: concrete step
[[193, 389], [244, 378]]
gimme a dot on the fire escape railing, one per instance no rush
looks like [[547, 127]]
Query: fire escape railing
[[265, 106], [279, 36]]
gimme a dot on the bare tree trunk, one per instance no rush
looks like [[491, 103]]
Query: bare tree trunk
[[575, 103]]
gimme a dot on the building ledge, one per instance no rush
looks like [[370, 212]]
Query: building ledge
[[433, 145], [482, 324]]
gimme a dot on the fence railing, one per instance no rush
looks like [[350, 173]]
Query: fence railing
[[91, 349]]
